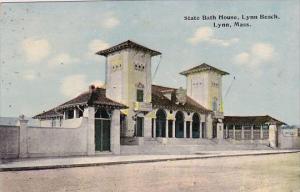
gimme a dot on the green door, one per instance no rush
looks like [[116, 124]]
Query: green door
[[102, 135]]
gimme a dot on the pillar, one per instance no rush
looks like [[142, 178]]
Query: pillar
[[154, 127], [252, 136], [233, 131], [147, 127], [209, 126], [273, 138], [23, 145], [115, 132], [220, 130], [173, 128], [226, 133], [243, 136], [200, 129], [74, 113], [184, 129], [261, 133], [167, 129], [191, 129], [91, 130]]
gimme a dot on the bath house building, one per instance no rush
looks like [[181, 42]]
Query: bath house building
[[130, 110]]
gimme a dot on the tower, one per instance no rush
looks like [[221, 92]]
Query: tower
[[204, 85], [128, 81]]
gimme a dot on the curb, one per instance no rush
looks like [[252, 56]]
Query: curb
[[137, 161]]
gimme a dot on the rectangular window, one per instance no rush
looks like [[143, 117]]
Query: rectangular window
[[140, 95], [139, 126], [170, 127], [69, 114], [152, 127]]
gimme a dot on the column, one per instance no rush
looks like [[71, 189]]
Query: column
[[226, 133], [74, 113], [252, 136], [200, 130], [91, 130], [209, 126], [167, 129], [173, 128], [243, 136], [23, 145], [115, 132], [261, 133], [191, 129], [154, 127], [147, 127], [184, 129], [273, 137], [233, 131]]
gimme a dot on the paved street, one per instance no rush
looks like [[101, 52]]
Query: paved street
[[253, 173]]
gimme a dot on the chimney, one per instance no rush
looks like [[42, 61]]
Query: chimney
[[91, 88], [93, 95], [181, 95]]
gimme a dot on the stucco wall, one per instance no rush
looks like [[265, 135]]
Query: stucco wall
[[50, 141], [65, 123], [123, 78], [197, 87], [288, 139], [9, 141], [203, 87]]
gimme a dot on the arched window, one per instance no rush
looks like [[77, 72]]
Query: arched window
[[196, 126], [161, 119], [179, 124]]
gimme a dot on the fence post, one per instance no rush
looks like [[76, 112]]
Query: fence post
[[273, 135], [91, 130], [23, 145], [115, 132]]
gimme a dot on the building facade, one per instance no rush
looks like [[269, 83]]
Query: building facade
[[130, 110]]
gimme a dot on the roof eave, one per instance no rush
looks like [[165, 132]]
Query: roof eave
[[185, 73], [125, 45]]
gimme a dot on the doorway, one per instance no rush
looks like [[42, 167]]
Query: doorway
[[102, 135]]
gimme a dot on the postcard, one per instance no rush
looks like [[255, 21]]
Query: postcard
[[149, 95]]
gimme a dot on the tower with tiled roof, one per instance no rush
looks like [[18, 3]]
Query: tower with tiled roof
[[204, 85], [128, 79]]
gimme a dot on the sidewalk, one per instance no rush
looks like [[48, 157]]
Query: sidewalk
[[101, 160]]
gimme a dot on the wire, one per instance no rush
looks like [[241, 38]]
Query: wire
[[154, 74], [156, 69], [227, 91]]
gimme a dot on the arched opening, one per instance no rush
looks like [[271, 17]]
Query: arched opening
[[179, 124], [161, 119], [196, 126]]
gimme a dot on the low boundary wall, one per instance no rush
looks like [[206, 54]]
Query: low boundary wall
[[9, 141]]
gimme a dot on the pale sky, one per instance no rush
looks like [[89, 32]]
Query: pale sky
[[47, 51]]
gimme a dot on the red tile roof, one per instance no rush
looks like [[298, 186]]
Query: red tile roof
[[94, 98], [161, 101], [251, 120]]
